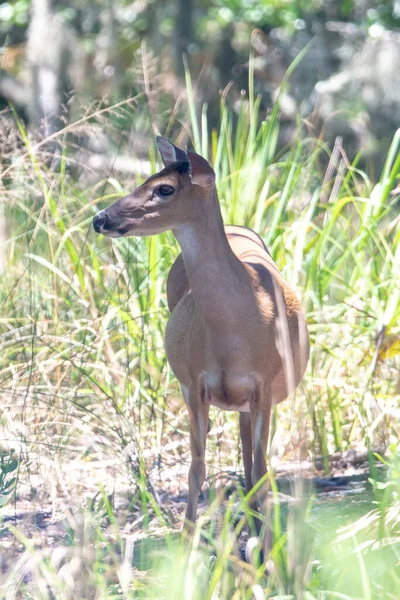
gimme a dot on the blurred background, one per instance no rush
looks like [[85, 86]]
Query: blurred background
[[58, 56]]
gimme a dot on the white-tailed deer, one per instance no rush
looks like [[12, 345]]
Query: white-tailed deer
[[236, 338]]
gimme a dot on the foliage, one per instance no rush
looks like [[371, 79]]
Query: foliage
[[371, 544], [82, 360], [389, 490], [8, 465], [134, 19]]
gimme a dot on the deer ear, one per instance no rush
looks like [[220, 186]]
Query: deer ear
[[201, 172], [169, 152]]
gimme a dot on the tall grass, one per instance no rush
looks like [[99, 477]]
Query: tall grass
[[91, 407]]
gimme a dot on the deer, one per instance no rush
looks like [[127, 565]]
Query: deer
[[236, 337]]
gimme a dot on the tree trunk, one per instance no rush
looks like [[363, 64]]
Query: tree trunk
[[50, 48]]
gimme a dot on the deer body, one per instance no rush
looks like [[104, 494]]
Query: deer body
[[236, 337], [224, 334]]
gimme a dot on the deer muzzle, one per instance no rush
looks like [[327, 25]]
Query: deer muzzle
[[114, 222], [99, 221]]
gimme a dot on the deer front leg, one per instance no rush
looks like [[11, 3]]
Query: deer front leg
[[260, 412], [247, 451], [199, 407]]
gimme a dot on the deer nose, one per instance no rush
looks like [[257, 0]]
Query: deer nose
[[99, 221]]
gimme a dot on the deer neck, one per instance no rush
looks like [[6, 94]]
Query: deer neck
[[215, 273]]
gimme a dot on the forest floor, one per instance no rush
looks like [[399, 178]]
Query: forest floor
[[46, 521]]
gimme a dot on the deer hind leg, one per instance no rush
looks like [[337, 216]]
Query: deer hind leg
[[260, 413], [247, 449], [247, 452], [199, 407]]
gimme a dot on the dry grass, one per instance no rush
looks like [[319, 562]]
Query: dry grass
[[94, 414]]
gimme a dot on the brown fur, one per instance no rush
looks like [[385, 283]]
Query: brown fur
[[236, 337]]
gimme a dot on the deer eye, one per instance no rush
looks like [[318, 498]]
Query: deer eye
[[165, 190]]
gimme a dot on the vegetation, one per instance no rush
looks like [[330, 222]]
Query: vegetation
[[7, 466], [96, 417], [98, 49]]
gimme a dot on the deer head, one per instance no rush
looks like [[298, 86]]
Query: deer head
[[170, 198]]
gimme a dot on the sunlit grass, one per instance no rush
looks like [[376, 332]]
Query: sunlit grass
[[91, 407]]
